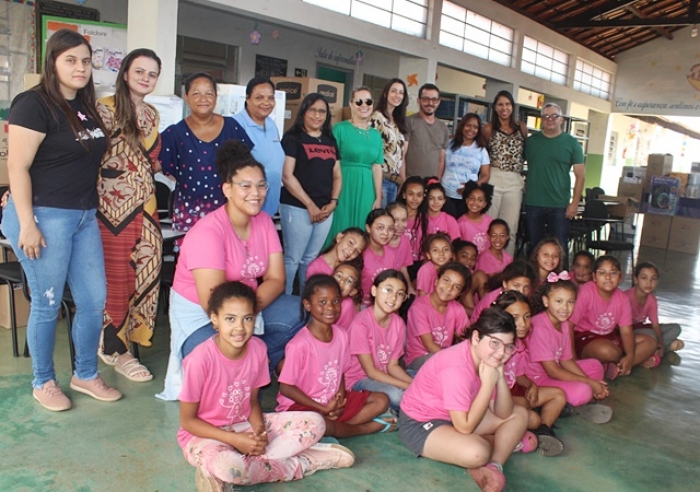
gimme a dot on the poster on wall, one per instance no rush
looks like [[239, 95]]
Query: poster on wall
[[267, 66], [108, 43]]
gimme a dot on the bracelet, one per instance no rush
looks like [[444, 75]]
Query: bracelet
[[334, 200]]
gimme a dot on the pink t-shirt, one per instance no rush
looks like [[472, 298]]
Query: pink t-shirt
[[415, 238], [317, 266], [444, 223], [347, 313], [448, 381], [647, 314], [547, 343], [213, 244], [373, 265], [476, 232], [424, 318], [367, 337], [484, 303], [222, 386], [402, 252], [601, 317], [313, 366], [517, 364], [489, 264], [426, 277]]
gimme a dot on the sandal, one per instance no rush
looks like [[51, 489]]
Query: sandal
[[110, 360], [133, 370], [528, 443], [388, 424], [548, 444]]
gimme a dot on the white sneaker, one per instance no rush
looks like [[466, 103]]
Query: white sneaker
[[324, 456]]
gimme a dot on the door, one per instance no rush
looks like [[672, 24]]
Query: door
[[335, 74]]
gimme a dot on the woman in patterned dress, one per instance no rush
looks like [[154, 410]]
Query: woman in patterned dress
[[506, 140], [128, 215], [390, 120]]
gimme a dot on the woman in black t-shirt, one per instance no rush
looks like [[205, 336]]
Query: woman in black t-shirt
[[312, 183], [56, 141]]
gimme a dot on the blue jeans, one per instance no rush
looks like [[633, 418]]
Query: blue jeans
[[393, 392], [73, 254], [282, 321], [550, 219], [302, 242], [389, 192]]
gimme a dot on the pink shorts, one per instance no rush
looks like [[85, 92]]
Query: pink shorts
[[518, 390], [583, 338]]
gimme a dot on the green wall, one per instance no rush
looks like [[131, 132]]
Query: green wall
[[594, 170]]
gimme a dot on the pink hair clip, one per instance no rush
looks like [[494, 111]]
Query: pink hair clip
[[553, 277], [432, 181]]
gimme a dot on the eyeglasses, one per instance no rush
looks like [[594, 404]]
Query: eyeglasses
[[605, 273], [497, 343], [247, 186], [319, 112], [400, 294], [359, 102], [551, 116], [430, 100]]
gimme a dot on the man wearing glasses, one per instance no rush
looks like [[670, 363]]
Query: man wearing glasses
[[551, 154], [428, 137]]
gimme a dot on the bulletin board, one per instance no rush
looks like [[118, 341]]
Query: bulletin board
[[108, 43]]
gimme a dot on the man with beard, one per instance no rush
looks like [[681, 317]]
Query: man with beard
[[428, 137]]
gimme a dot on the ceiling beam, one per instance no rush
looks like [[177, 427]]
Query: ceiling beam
[[662, 31], [606, 8], [608, 23]]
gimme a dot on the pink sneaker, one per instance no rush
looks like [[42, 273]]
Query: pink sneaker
[[95, 388], [51, 397], [489, 478], [324, 456], [527, 444]]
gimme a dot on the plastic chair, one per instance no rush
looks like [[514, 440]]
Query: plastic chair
[[11, 275]]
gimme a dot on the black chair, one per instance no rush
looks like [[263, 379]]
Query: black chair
[[11, 275], [164, 200], [596, 217]]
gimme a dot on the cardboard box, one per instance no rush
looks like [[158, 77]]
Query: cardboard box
[[4, 177], [298, 87], [657, 165], [664, 197], [630, 190], [623, 209], [685, 235], [21, 305], [656, 231], [634, 174]]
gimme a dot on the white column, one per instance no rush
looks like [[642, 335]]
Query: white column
[[416, 72], [153, 24]]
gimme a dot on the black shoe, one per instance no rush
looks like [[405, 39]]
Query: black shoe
[[567, 411], [549, 444]]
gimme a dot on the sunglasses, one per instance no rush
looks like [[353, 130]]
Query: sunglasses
[[368, 102]]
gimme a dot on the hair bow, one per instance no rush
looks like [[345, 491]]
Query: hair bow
[[432, 181], [553, 277]]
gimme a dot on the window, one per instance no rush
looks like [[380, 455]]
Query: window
[[407, 16], [592, 80], [544, 61], [475, 34]]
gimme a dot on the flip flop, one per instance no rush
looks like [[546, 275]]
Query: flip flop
[[594, 412], [527, 444], [387, 425]]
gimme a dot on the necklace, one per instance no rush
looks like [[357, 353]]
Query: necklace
[[362, 131], [244, 242]]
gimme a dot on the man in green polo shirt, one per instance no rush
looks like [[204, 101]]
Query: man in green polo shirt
[[551, 154]]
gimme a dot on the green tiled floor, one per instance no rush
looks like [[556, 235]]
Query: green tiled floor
[[651, 443]]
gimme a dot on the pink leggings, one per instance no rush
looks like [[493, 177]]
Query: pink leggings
[[289, 433], [577, 393]]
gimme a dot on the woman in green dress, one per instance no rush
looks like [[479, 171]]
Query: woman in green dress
[[361, 157]]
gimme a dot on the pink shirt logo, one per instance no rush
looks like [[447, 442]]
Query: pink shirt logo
[[440, 335], [605, 323], [509, 372], [383, 355], [233, 399], [481, 241], [252, 268], [330, 378]]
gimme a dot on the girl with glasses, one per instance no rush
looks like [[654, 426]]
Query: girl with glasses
[[235, 242], [361, 158], [377, 339], [377, 257], [459, 409]]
